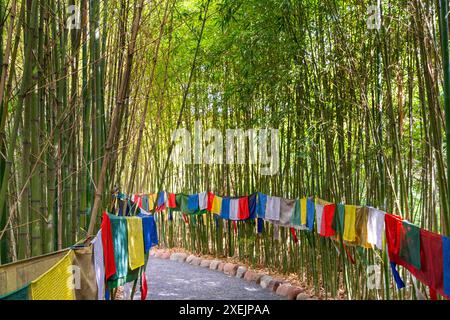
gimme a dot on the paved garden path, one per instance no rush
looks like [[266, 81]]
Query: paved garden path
[[168, 279]]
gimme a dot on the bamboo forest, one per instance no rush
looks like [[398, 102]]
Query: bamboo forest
[[268, 134]]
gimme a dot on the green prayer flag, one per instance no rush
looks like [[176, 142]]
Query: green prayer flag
[[120, 243], [117, 282], [181, 201], [338, 219], [410, 244], [19, 294], [296, 218]]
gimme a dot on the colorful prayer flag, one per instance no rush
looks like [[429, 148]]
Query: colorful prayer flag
[[135, 242], [243, 210], [410, 244], [225, 208], [216, 205], [262, 201], [57, 283], [327, 220], [350, 223], [108, 247]]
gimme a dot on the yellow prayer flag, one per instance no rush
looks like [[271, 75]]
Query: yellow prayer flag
[[216, 205], [350, 223], [152, 201], [57, 283], [303, 211], [135, 242]]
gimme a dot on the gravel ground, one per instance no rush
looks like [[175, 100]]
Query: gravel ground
[[172, 280]]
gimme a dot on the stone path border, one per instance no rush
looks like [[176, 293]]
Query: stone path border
[[277, 285]]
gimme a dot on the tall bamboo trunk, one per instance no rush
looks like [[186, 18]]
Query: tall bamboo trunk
[[121, 103]]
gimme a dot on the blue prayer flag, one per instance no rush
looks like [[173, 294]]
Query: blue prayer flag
[[149, 231], [192, 203], [310, 214], [252, 206], [225, 209], [260, 225], [262, 200], [446, 262], [397, 278]]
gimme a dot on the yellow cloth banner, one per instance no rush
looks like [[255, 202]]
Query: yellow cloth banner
[[135, 242], [58, 283], [350, 223], [303, 211], [216, 205], [152, 201]]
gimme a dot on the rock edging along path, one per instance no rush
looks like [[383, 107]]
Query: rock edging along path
[[181, 276]]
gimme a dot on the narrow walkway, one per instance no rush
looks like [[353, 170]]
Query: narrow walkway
[[172, 280]]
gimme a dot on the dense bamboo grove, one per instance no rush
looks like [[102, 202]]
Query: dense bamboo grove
[[89, 104]]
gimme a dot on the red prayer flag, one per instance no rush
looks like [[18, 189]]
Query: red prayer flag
[[431, 261], [210, 201], [171, 201], [143, 285], [108, 248], [234, 226], [243, 212], [393, 225], [433, 295], [326, 228], [294, 235]]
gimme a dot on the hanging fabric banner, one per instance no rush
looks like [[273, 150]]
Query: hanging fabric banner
[[243, 210], [108, 246], [171, 201], [216, 205], [57, 283], [375, 227], [234, 208], [192, 203], [272, 208], [135, 242], [286, 212], [296, 219], [446, 264], [149, 231], [319, 213], [225, 208], [362, 216], [350, 223], [310, 214], [327, 220], [99, 265], [260, 226], [252, 206], [262, 201], [202, 201], [410, 244], [19, 294], [294, 235]]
